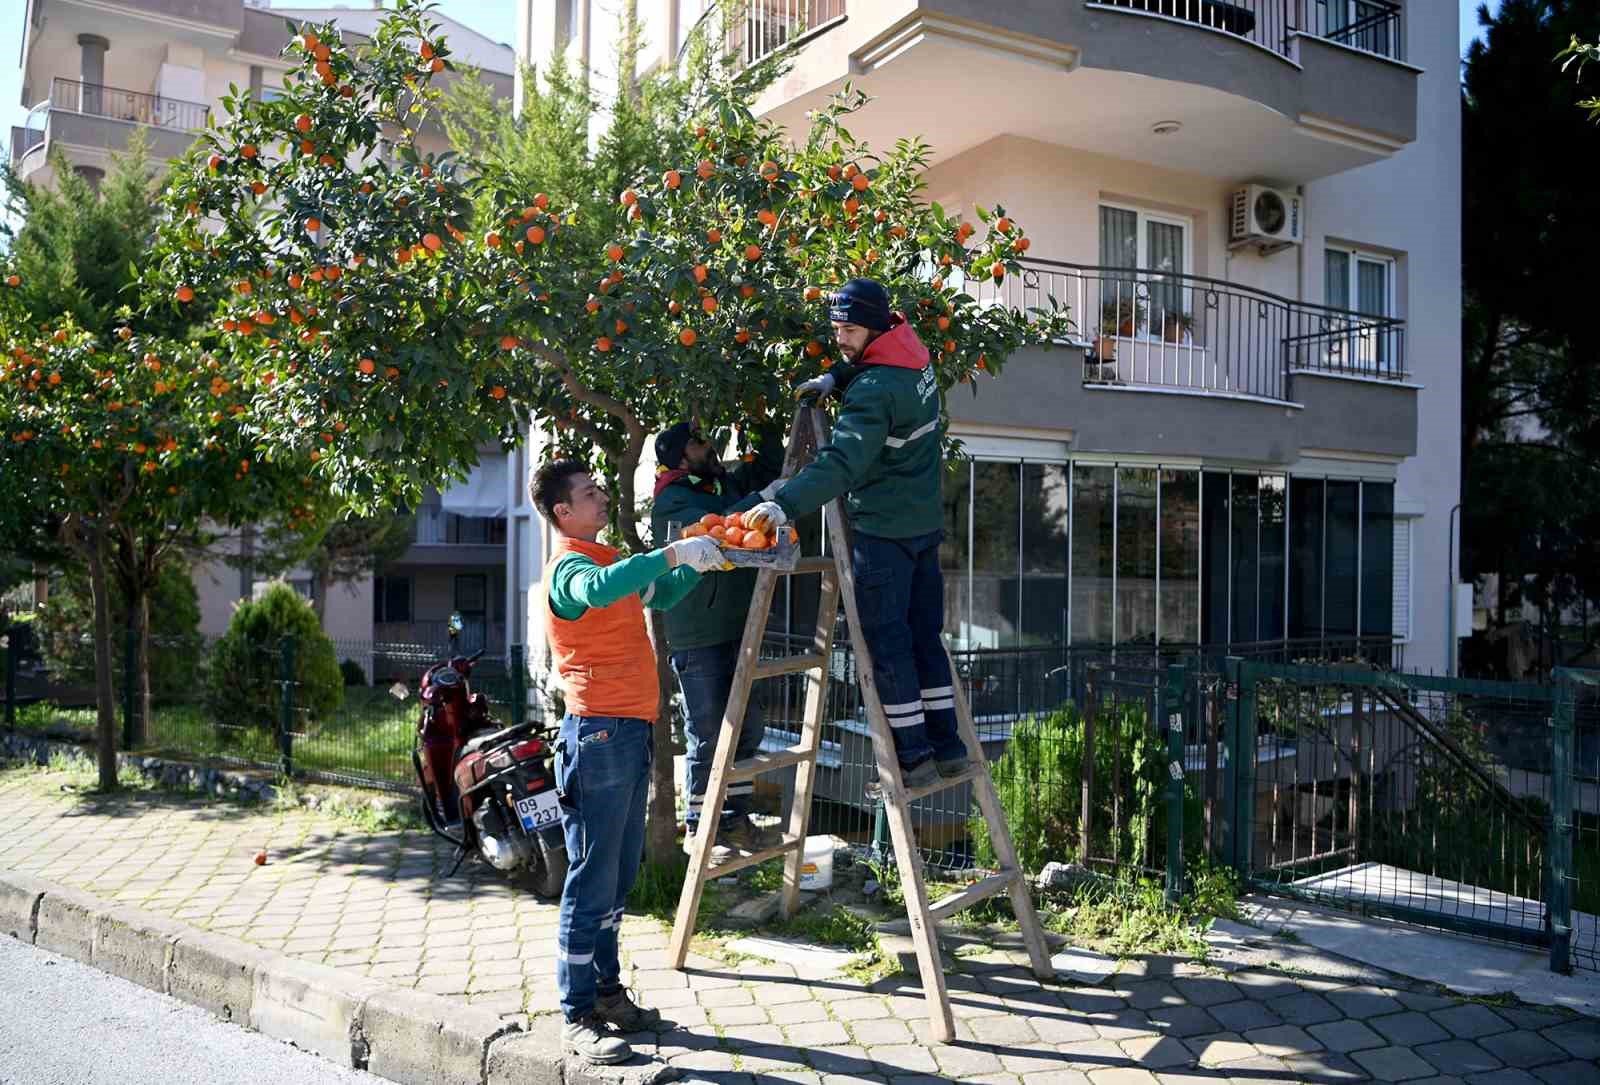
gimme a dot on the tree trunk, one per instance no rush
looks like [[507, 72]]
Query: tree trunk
[[319, 594], [661, 828], [141, 734], [105, 701]]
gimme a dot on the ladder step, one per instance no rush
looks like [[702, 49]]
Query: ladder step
[[813, 566], [772, 668], [742, 858], [980, 890], [763, 763], [944, 783]]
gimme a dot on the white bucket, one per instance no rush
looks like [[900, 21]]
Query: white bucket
[[816, 865]]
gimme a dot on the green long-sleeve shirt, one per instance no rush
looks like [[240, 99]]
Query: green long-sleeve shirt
[[578, 583]]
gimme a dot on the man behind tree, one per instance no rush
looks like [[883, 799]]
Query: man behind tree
[[705, 629], [885, 459], [602, 655]]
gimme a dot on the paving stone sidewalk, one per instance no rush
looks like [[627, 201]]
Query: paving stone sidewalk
[[379, 904]]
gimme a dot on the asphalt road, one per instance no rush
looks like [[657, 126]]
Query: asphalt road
[[64, 1022]]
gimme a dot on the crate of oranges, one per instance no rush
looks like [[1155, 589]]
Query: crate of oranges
[[745, 547]]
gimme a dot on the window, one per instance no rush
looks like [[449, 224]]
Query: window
[[1136, 556], [391, 599], [1361, 284], [1377, 559], [1179, 590], [1155, 246], [1401, 619], [1093, 545]]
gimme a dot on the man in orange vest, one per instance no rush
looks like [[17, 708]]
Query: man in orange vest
[[602, 654]]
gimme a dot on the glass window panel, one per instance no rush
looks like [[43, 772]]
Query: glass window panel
[[1119, 238], [1306, 517], [1092, 511], [1164, 246], [996, 519], [1343, 559], [1372, 287], [1336, 280], [1045, 537], [1214, 537], [1243, 557], [1270, 587], [1136, 555], [1377, 559], [954, 554], [1180, 557]]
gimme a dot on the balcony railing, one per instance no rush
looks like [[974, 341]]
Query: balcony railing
[[97, 100], [1158, 329], [1372, 25], [764, 26]]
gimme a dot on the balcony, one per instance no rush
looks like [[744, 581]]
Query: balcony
[[1189, 366], [1279, 89], [90, 120]]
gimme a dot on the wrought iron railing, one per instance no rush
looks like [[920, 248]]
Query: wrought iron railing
[[1371, 25], [1151, 328], [764, 26], [98, 100]]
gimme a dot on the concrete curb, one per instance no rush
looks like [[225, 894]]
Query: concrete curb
[[396, 1033]]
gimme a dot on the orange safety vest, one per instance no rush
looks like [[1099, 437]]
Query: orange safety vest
[[604, 659]]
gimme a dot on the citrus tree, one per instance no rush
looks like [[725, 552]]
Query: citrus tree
[[401, 308], [134, 445]]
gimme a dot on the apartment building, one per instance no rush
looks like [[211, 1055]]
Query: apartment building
[[1252, 208], [94, 72]]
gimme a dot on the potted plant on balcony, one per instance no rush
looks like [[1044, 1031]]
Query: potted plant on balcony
[[1176, 326], [1120, 316]]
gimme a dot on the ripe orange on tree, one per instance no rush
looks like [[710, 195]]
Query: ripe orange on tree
[[535, 235], [672, 179], [687, 337]]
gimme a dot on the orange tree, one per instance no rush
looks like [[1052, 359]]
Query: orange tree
[[401, 308], [134, 445]]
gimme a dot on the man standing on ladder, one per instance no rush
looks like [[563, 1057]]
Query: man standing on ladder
[[704, 631], [601, 652], [886, 458]]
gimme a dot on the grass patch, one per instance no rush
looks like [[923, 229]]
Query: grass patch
[[1128, 916], [656, 890]]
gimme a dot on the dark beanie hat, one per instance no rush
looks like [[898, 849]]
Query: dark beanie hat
[[863, 302], [671, 443]]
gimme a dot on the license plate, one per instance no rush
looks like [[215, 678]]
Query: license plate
[[537, 811]]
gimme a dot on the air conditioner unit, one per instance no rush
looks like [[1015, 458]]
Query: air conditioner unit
[[1269, 217]]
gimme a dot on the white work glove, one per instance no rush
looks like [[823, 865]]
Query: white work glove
[[819, 387], [770, 490], [701, 553], [766, 518]]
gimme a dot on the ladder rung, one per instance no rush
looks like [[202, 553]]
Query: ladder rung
[[944, 783], [741, 858], [772, 668], [813, 566], [763, 763], [972, 894]]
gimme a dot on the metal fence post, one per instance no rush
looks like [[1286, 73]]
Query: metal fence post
[[1177, 684], [519, 692], [1244, 775], [1559, 849], [286, 715], [130, 682], [13, 635], [1091, 709], [1228, 806]]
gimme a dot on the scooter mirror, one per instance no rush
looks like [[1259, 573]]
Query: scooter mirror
[[454, 625], [399, 691]]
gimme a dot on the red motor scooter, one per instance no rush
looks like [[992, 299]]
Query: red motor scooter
[[489, 790]]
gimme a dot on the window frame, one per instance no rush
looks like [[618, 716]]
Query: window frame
[[1357, 254]]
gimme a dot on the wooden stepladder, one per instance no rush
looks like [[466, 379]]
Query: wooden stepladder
[[809, 433]]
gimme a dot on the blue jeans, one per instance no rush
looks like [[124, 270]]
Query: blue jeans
[[900, 594], [603, 778], [706, 677]]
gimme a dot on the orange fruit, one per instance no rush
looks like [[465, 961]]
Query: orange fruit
[[756, 540], [714, 236], [303, 122], [535, 235], [711, 520], [313, 225], [706, 169], [367, 366], [508, 342], [692, 531], [752, 253], [742, 336], [1003, 224], [687, 337], [747, 291], [332, 272], [672, 179], [431, 242], [700, 273], [248, 150], [766, 218], [860, 182], [213, 162], [949, 346], [734, 519], [592, 305], [733, 536], [813, 349], [492, 239], [244, 287], [425, 51], [709, 304], [437, 66], [257, 187], [813, 293], [541, 201], [719, 533], [998, 271], [1023, 243], [614, 252], [184, 294], [602, 344], [498, 391], [629, 197], [794, 536]]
